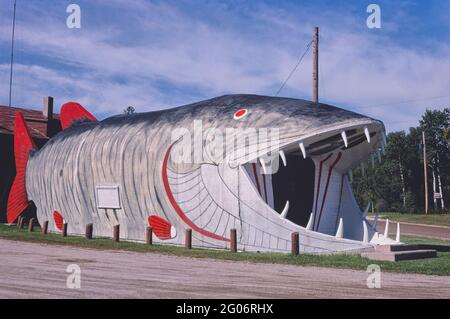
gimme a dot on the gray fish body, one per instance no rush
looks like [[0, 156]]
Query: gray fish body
[[135, 154]]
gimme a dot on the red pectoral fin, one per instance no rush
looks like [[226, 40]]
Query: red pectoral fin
[[59, 220], [23, 144], [71, 112], [161, 227]]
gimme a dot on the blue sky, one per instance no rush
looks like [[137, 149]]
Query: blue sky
[[158, 54]]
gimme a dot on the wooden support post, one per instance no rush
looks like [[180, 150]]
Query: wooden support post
[[295, 244], [22, 221], [233, 240], [45, 227], [89, 231], [31, 225], [116, 233], [18, 221], [149, 236], [64, 231], [188, 239]]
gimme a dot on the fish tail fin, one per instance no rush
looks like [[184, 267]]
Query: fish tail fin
[[23, 144]]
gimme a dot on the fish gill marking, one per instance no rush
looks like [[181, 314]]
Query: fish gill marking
[[175, 204]]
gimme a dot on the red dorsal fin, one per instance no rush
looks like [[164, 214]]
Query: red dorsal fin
[[71, 112], [23, 144], [161, 227]]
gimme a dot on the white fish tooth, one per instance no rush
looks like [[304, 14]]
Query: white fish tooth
[[397, 236], [386, 229], [340, 230], [367, 133], [303, 149], [283, 158], [285, 210], [310, 222], [344, 138], [263, 165], [365, 233]]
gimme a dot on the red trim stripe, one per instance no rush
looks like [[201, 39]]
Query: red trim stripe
[[326, 186], [256, 178], [265, 187], [175, 205], [318, 186]]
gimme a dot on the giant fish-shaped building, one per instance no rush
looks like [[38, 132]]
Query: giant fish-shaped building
[[128, 170]]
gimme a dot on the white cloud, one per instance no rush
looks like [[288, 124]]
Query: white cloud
[[167, 57]]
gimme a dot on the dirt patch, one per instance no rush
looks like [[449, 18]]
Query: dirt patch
[[29, 270]]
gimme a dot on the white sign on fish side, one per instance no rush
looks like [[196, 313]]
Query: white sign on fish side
[[108, 196]]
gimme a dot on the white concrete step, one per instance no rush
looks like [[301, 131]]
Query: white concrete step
[[387, 254]]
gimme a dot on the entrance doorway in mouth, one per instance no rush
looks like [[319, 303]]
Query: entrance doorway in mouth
[[295, 183]]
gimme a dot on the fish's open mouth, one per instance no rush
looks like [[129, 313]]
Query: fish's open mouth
[[290, 189], [308, 191], [298, 186]]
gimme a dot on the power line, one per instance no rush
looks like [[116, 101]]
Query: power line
[[295, 68], [404, 102], [12, 53]]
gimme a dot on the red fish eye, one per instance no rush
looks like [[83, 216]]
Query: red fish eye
[[240, 114]]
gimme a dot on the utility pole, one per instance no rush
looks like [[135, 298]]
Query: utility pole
[[315, 93], [12, 53], [425, 175]]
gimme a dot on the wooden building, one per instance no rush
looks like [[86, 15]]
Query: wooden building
[[42, 126]]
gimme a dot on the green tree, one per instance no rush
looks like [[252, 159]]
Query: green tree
[[435, 123], [386, 184], [129, 110], [397, 183]]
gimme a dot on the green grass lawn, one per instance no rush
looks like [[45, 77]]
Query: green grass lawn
[[437, 266], [424, 240], [432, 219]]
